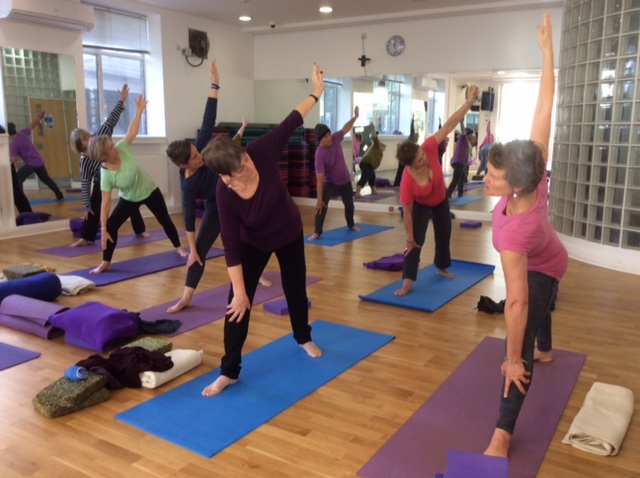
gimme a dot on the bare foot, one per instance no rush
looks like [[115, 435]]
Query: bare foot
[[445, 273], [314, 236], [312, 349], [406, 287], [356, 228], [500, 444], [542, 356], [265, 282], [181, 252], [104, 266], [182, 304], [79, 243], [374, 191], [218, 386], [144, 234]]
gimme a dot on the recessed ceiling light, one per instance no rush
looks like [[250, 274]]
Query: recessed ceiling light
[[326, 9], [245, 18], [500, 72]]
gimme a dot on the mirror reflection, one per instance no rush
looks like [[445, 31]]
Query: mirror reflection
[[40, 104]]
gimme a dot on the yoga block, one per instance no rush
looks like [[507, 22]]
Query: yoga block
[[22, 271], [471, 224], [461, 464], [65, 396], [75, 224], [152, 344], [278, 307]]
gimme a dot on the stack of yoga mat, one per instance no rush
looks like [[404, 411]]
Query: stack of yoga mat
[[30, 315]]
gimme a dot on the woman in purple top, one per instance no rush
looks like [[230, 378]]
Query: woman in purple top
[[258, 218], [532, 256]]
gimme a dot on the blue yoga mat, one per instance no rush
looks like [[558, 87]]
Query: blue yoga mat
[[11, 355], [344, 234], [431, 291], [139, 266], [463, 201], [49, 201], [266, 388]]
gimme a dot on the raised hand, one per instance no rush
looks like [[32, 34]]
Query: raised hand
[[124, 93], [213, 72], [141, 104], [545, 40], [317, 80]]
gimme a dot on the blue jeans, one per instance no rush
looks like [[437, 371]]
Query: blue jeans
[[542, 291]]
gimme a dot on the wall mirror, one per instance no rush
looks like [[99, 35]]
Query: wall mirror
[[35, 81]]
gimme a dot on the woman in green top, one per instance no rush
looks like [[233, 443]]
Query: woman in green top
[[135, 188], [370, 162]]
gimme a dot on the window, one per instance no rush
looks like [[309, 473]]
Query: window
[[329, 110], [382, 107], [115, 53]]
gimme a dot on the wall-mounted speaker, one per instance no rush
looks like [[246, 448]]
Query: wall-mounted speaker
[[198, 43], [486, 104]]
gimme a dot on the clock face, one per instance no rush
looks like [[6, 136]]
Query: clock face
[[395, 45]]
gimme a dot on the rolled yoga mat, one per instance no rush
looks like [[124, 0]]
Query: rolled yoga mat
[[45, 286], [431, 291], [30, 315], [211, 305], [10, 355], [123, 241], [344, 234], [139, 266], [207, 425], [461, 415]]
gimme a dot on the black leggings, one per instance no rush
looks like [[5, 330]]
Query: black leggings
[[346, 193], [441, 217], [91, 224], [124, 209], [293, 271], [19, 198], [207, 235], [459, 176], [368, 175], [25, 171]]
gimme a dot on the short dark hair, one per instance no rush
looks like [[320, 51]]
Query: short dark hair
[[523, 162], [2, 130], [223, 155], [406, 152], [179, 151], [11, 129]]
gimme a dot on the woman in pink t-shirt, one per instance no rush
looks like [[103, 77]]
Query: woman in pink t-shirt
[[532, 256], [423, 197]]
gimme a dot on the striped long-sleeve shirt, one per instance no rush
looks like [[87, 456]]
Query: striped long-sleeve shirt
[[90, 168]]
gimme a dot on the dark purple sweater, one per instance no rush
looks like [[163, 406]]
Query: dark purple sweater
[[270, 219]]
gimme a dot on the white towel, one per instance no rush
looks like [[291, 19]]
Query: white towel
[[74, 285], [183, 361], [602, 422]]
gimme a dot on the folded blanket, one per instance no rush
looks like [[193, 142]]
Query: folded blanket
[[183, 361], [74, 285], [601, 423]]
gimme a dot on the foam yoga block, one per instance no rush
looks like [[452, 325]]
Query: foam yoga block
[[279, 307], [471, 224], [45, 286]]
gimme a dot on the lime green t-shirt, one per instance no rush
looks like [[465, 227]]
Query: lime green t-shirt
[[373, 155], [132, 182]]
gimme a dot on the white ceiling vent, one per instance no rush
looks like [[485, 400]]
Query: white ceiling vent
[[56, 13]]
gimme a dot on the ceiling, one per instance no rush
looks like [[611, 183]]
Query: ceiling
[[296, 15]]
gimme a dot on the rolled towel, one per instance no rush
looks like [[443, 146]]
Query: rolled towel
[[74, 285], [76, 373], [602, 422], [183, 361]]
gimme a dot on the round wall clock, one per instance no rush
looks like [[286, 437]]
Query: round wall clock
[[395, 45]]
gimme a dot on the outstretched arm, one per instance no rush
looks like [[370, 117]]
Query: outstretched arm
[[458, 116], [541, 126], [37, 120], [134, 126], [245, 122], [349, 124], [112, 120], [317, 80], [210, 110]]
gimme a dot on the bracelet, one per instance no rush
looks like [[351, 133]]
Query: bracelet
[[411, 242], [314, 97], [215, 86], [514, 362]]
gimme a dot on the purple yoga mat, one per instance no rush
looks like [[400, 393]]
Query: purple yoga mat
[[11, 355], [377, 197], [474, 185], [139, 267], [123, 241], [461, 415], [30, 316], [211, 305]]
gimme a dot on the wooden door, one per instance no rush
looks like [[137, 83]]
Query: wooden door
[[50, 137]]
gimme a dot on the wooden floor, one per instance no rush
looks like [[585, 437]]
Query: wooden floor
[[334, 431]]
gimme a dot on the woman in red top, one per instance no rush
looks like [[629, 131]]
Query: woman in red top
[[423, 196]]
